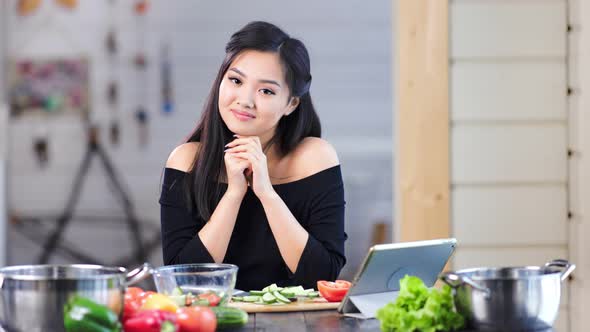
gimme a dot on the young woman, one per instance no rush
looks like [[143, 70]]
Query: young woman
[[255, 185]]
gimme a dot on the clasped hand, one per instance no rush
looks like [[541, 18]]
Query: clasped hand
[[246, 162]]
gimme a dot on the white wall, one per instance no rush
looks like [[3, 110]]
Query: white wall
[[509, 134], [350, 47]]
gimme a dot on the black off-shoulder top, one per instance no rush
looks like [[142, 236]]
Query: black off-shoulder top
[[316, 201]]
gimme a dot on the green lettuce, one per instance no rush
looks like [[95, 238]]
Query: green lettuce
[[419, 309]]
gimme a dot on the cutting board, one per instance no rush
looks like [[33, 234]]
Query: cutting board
[[300, 305]]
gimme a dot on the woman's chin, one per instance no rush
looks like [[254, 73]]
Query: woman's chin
[[239, 129]]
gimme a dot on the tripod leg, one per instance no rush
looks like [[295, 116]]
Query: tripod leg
[[132, 221], [50, 245]]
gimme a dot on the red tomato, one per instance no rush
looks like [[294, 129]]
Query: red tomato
[[211, 297], [131, 303], [333, 291], [196, 319], [132, 292], [130, 308]]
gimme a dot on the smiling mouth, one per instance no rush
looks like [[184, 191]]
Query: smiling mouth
[[242, 116]]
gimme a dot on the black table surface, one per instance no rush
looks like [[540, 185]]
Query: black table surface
[[326, 320]]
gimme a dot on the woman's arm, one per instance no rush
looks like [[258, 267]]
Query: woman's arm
[[311, 253], [291, 237], [213, 235], [216, 233], [316, 250]]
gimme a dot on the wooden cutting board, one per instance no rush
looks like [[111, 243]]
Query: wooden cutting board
[[300, 305]]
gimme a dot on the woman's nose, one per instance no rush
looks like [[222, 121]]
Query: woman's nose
[[245, 99]]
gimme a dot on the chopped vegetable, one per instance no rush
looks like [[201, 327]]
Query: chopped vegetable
[[230, 317], [83, 314], [333, 291], [196, 319], [159, 302], [152, 321], [276, 295], [419, 309], [211, 297]]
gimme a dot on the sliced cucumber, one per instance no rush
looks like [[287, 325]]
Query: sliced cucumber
[[287, 295], [298, 291], [251, 298], [177, 291], [280, 297], [238, 298], [268, 298], [257, 292], [313, 294], [179, 300]]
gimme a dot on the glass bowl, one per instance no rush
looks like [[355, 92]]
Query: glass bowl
[[198, 280]]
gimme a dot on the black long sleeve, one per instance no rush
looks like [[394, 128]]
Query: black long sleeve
[[317, 202], [323, 255], [180, 242]]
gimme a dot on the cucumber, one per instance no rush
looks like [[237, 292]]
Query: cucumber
[[287, 295], [268, 298], [313, 294], [238, 298], [280, 297], [228, 317], [298, 290], [177, 291], [257, 292], [250, 298], [179, 300]]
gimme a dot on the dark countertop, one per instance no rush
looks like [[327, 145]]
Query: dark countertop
[[327, 320]]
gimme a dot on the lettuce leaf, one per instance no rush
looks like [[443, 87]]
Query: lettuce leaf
[[419, 309]]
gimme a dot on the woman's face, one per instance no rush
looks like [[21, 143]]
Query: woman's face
[[253, 94]]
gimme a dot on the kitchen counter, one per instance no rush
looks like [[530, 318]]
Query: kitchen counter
[[327, 320]]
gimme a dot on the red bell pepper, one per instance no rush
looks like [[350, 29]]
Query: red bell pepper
[[151, 321]]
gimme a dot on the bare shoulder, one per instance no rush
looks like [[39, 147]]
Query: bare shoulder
[[183, 156], [314, 155]]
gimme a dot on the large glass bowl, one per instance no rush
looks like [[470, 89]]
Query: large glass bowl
[[197, 279]]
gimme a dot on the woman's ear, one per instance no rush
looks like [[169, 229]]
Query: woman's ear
[[292, 105]]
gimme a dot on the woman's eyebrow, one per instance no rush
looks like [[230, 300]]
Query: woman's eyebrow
[[261, 81]]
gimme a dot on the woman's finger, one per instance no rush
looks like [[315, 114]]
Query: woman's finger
[[252, 140], [246, 155]]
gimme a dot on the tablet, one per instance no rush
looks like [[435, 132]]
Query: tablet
[[386, 264]]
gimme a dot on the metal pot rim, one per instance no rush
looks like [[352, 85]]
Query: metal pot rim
[[14, 272], [543, 274]]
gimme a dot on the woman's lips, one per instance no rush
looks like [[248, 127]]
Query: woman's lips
[[242, 116]]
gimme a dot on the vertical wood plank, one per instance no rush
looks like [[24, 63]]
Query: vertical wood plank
[[422, 125], [579, 179]]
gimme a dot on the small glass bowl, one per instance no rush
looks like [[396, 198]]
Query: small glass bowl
[[197, 279]]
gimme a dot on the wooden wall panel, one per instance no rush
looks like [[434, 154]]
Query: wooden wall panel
[[516, 91], [484, 29], [422, 148], [509, 153]]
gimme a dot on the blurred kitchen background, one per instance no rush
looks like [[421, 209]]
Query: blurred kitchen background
[[134, 75]]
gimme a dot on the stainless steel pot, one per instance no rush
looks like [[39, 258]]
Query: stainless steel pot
[[510, 298], [32, 297]]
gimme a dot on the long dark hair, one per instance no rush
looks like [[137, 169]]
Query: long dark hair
[[202, 187]]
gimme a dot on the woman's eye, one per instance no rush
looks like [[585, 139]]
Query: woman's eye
[[235, 80], [267, 92]]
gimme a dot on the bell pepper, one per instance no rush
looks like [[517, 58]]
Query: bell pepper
[[151, 321], [84, 315]]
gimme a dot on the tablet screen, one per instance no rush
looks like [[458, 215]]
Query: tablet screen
[[386, 264]]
